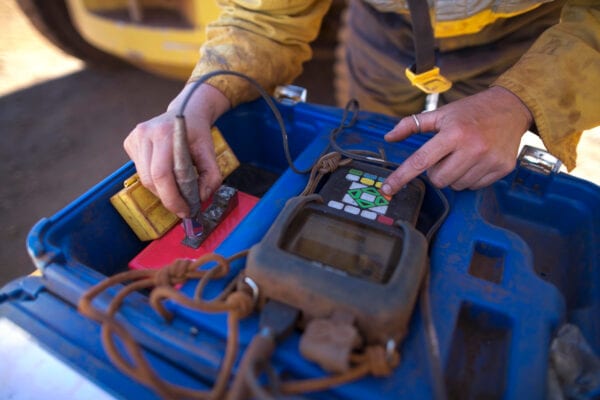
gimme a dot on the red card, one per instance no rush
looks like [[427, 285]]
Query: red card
[[162, 252]]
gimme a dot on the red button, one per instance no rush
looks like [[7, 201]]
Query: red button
[[385, 220]]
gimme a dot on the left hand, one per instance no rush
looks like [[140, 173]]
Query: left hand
[[476, 142]]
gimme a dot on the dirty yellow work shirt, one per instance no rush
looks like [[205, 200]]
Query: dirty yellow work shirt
[[558, 78]]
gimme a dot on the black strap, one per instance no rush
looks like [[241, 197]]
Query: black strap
[[422, 36]]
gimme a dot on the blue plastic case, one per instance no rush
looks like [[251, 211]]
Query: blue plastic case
[[511, 263]]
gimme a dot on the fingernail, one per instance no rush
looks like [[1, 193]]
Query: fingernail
[[386, 189]]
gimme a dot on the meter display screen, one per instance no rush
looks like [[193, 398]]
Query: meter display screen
[[347, 246]]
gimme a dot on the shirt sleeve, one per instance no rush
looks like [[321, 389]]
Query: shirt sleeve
[[268, 40], [559, 79]]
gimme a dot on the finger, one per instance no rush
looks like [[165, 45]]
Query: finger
[[487, 179], [493, 166], [162, 176], [142, 160], [203, 154], [129, 144], [138, 147], [427, 122], [421, 160], [448, 170], [473, 175]]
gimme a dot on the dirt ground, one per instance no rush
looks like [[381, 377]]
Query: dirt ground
[[62, 125], [62, 128]]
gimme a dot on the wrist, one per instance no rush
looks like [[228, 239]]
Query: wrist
[[516, 106], [206, 103]]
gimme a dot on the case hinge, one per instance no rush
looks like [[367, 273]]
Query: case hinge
[[538, 160], [290, 94], [535, 169]]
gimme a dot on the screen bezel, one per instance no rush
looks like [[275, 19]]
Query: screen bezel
[[381, 250]]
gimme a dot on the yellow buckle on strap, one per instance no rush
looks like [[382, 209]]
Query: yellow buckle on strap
[[429, 81]]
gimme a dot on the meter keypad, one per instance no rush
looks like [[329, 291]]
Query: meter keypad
[[363, 197], [355, 190]]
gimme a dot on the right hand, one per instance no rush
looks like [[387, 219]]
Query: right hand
[[150, 146]]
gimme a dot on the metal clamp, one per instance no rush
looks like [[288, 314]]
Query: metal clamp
[[390, 349], [290, 94], [538, 160], [430, 82], [254, 287]]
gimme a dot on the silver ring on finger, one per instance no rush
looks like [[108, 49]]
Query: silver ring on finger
[[417, 122]]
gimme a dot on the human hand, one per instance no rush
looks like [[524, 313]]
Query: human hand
[[150, 146], [476, 142]]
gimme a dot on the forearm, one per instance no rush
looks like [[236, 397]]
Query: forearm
[[558, 79]]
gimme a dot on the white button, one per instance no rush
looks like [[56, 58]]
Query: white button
[[368, 214], [368, 197], [352, 178], [352, 210], [356, 185], [335, 204], [380, 210]]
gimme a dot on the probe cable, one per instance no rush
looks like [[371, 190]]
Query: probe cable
[[263, 93], [350, 110], [163, 283]]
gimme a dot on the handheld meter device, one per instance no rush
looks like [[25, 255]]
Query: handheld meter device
[[347, 248]]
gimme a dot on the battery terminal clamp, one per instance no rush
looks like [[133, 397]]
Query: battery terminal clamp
[[224, 200]]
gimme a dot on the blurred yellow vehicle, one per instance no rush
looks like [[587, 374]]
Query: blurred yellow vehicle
[[161, 36]]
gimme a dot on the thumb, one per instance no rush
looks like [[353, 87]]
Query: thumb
[[415, 123]]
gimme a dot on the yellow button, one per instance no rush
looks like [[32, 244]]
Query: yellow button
[[367, 181]]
